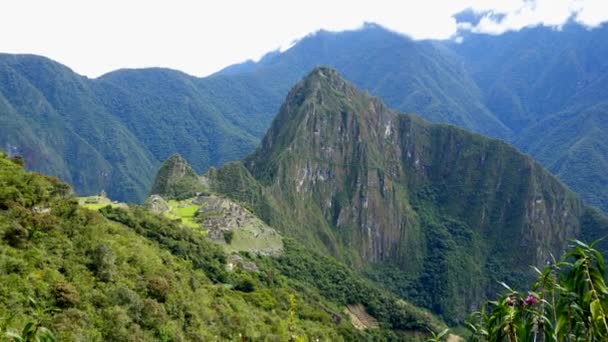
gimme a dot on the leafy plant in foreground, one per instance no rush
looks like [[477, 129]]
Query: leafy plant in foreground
[[568, 302], [33, 331]]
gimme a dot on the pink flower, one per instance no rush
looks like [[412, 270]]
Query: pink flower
[[510, 301], [530, 300]]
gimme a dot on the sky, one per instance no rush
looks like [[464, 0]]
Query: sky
[[201, 37]]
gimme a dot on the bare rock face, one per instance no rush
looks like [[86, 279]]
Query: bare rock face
[[236, 261]]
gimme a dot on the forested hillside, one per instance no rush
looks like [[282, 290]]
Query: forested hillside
[[125, 274], [437, 214]]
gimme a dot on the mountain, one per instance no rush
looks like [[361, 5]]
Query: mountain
[[528, 75], [572, 145], [121, 273], [111, 133], [502, 86], [413, 76], [435, 213], [52, 118], [549, 87], [176, 179]]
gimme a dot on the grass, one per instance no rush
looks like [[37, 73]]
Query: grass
[[95, 202], [183, 210]]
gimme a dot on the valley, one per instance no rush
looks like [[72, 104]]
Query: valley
[[357, 185]]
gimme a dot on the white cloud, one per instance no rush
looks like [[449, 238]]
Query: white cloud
[[551, 13], [593, 13], [200, 37]]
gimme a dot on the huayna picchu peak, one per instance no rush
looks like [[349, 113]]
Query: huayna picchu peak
[[437, 214]]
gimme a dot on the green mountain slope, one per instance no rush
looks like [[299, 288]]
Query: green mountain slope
[[176, 179], [110, 133], [528, 75], [579, 136], [124, 274], [52, 118], [499, 85], [549, 86], [167, 111], [436, 213]]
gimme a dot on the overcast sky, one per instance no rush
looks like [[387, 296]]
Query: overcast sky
[[200, 37]]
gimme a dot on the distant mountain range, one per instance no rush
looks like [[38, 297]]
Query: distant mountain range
[[540, 89]]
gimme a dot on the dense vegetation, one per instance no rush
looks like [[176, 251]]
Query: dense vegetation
[[568, 302], [111, 133], [432, 212], [549, 87], [123, 274]]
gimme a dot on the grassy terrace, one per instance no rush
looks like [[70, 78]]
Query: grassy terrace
[[183, 210]]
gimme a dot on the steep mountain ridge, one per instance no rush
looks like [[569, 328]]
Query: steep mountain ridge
[[519, 79], [444, 207], [57, 124], [112, 132], [416, 76], [549, 87]]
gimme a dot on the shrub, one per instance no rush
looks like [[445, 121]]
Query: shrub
[[159, 288], [16, 236], [245, 284], [66, 295], [568, 302], [228, 236], [102, 262]]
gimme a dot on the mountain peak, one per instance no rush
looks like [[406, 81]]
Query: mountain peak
[[324, 71], [320, 79], [176, 179], [350, 175], [323, 113]]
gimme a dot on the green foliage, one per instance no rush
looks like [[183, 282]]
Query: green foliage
[[569, 302], [182, 242], [438, 337], [228, 236], [127, 274], [176, 180], [33, 331], [336, 281]]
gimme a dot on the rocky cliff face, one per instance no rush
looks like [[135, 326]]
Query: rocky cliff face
[[447, 211], [361, 162]]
